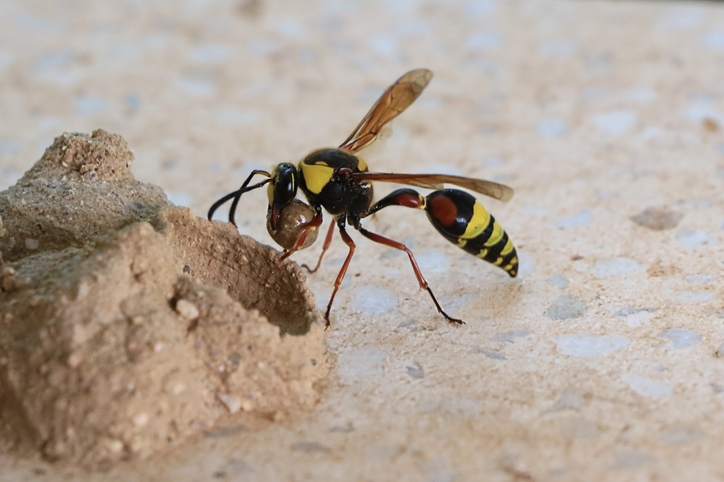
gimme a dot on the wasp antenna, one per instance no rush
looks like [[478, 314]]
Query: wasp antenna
[[236, 195]]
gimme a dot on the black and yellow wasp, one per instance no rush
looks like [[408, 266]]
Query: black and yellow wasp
[[339, 181]]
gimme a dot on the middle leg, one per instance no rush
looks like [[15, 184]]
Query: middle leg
[[420, 279]]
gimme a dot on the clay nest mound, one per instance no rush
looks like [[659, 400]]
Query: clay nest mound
[[128, 324]]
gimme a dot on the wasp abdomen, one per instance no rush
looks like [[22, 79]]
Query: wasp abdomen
[[463, 221]]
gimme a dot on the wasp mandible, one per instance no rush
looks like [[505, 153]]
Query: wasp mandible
[[338, 180]]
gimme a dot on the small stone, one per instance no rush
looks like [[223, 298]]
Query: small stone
[[681, 338], [416, 371], [566, 307], [232, 403], [74, 359], [657, 218], [114, 446], [140, 420], [559, 281], [187, 309], [31, 244], [615, 267]]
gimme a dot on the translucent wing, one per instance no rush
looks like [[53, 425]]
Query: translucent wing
[[392, 103], [492, 189]]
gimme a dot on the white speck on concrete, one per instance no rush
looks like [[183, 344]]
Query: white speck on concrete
[[566, 307], [179, 198], [290, 28], [535, 211], [385, 46], [630, 310], [365, 361], [579, 428], [552, 128], [638, 319], [193, 85], [432, 260], [616, 123], [415, 371], [230, 116], [615, 267], [90, 105], [557, 48], [700, 279], [210, 53], [484, 41], [699, 110], [682, 434], [479, 8], [372, 300], [681, 18], [571, 399], [647, 387], [493, 161], [695, 296], [559, 281], [714, 40], [630, 458], [510, 336], [642, 96], [453, 303], [590, 345], [526, 264], [692, 239], [493, 355], [681, 338], [577, 220]]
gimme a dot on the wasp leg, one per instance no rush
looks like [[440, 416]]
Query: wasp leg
[[327, 242], [340, 277], [420, 279], [316, 222]]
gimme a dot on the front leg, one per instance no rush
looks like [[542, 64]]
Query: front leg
[[313, 226]]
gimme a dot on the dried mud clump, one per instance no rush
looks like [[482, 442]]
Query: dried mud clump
[[127, 324]]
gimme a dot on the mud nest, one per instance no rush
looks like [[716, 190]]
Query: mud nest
[[128, 324]]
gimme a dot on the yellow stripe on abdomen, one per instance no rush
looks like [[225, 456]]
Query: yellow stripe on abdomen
[[496, 236], [478, 223]]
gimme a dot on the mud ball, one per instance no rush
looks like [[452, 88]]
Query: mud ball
[[294, 218]]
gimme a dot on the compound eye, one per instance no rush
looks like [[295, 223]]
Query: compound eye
[[282, 191]]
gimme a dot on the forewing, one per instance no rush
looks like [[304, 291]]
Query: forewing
[[492, 189], [392, 103]]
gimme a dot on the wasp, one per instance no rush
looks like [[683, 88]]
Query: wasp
[[338, 180]]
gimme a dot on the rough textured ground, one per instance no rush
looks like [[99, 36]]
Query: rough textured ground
[[599, 363]]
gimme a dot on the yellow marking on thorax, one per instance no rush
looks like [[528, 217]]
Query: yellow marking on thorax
[[496, 236], [478, 223], [361, 164], [316, 176]]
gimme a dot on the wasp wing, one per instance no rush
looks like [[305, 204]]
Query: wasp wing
[[491, 189], [392, 103]]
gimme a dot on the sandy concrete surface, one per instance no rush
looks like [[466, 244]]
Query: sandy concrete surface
[[601, 361]]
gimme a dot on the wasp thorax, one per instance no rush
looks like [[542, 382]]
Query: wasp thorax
[[294, 217]]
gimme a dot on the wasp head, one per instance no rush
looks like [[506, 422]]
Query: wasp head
[[281, 191]]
